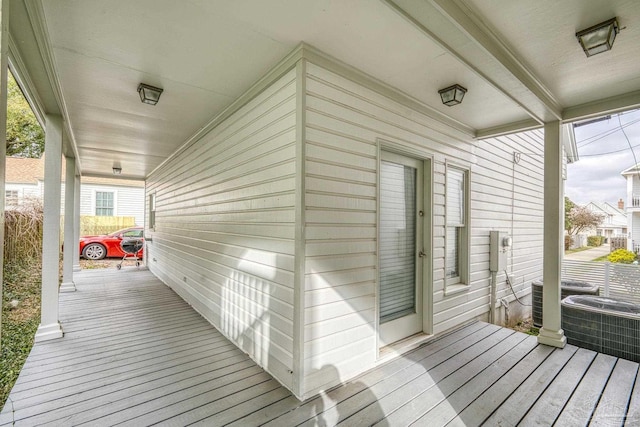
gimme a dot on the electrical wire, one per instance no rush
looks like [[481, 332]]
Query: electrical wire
[[514, 292], [584, 142], [613, 152], [635, 161]]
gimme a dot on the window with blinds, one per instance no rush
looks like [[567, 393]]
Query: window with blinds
[[456, 228], [152, 211], [397, 240]]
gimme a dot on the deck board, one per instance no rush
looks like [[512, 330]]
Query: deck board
[[134, 353], [448, 409], [612, 406], [579, 410], [550, 404], [527, 393]]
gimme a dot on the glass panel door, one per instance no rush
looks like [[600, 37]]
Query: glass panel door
[[400, 246], [397, 241]]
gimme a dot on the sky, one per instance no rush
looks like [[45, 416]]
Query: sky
[[604, 152]]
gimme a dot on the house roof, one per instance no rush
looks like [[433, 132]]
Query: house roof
[[633, 170], [617, 217], [20, 170], [519, 60]]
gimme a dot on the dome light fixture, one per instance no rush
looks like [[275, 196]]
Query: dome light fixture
[[452, 95], [599, 38], [149, 94]]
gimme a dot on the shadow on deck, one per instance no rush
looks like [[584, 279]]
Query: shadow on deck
[[134, 353]]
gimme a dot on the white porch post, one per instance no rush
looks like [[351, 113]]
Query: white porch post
[[551, 332], [630, 215], [50, 327], [76, 222], [4, 69], [69, 226]]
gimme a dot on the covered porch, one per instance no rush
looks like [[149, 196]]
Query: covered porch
[[309, 94], [135, 353]]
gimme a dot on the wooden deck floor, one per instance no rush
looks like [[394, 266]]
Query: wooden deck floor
[[135, 354]]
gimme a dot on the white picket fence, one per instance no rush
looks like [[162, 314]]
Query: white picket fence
[[615, 280]]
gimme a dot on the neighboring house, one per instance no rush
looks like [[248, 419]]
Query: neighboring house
[[614, 222], [632, 175], [112, 197], [98, 196], [23, 180]]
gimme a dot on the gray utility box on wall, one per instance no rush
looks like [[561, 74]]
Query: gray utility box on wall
[[568, 287]]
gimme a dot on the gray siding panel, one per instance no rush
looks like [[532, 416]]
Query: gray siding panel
[[224, 235]]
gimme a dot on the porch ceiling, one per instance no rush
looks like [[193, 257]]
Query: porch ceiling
[[519, 60]]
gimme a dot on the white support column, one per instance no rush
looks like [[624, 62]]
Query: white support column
[[551, 332], [4, 55], [630, 179], [76, 222], [50, 327], [69, 226]]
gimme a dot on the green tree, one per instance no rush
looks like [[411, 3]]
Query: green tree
[[568, 205], [25, 137]]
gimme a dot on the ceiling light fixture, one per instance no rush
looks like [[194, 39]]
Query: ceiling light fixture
[[117, 170], [149, 94], [452, 95], [599, 38]]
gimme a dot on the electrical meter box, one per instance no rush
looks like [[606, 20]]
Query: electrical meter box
[[499, 244]]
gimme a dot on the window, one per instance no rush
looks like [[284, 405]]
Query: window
[[11, 197], [104, 203], [152, 211], [132, 234], [457, 228]]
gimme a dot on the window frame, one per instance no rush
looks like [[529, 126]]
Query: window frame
[[152, 211], [11, 197], [113, 207], [462, 280]]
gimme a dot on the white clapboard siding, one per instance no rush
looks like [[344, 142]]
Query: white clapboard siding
[[344, 122], [635, 227], [224, 237], [129, 201], [225, 221]]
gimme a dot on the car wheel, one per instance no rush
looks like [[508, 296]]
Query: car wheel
[[94, 251]]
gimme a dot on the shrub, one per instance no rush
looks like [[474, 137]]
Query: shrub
[[567, 243], [622, 256], [595, 240], [23, 232]]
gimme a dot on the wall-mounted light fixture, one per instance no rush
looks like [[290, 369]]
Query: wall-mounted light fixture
[[149, 94], [117, 170], [599, 38], [452, 95]]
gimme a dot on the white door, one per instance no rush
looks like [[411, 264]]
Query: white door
[[401, 216]]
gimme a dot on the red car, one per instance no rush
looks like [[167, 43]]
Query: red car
[[99, 247]]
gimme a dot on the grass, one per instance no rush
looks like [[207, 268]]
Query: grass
[[584, 248], [20, 319], [526, 326]]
